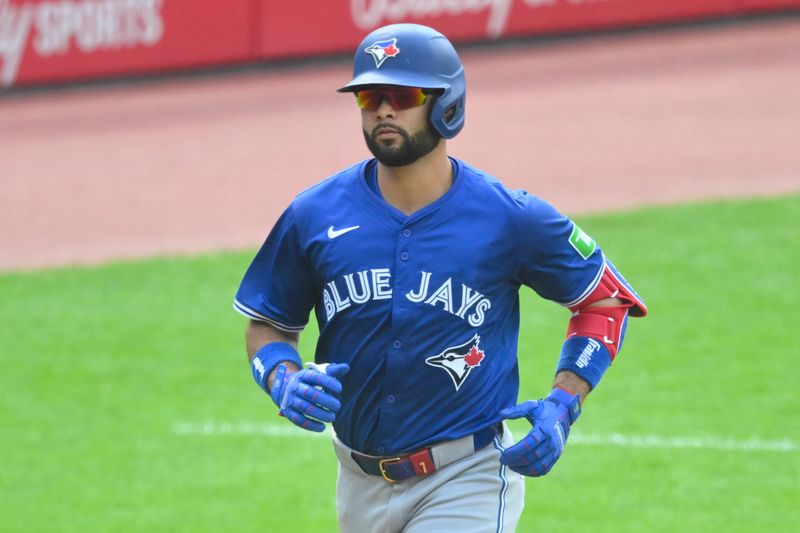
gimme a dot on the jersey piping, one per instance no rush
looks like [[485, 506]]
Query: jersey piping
[[592, 286], [246, 311], [385, 207]]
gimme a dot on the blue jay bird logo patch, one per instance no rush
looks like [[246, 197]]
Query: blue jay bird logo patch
[[458, 361], [382, 50]]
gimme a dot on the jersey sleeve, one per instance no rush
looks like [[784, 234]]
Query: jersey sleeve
[[558, 260], [278, 287]]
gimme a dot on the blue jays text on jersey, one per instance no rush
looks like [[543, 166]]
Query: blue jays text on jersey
[[375, 284], [424, 308]]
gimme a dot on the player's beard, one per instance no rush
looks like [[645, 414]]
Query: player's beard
[[411, 148]]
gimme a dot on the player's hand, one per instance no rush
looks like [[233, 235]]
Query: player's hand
[[551, 418], [309, 397]]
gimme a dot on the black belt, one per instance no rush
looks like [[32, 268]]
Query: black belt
[[417, 463]]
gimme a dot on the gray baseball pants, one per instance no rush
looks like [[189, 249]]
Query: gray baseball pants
[[475, 494]]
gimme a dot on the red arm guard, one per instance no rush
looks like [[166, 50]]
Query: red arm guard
[[606, 324]]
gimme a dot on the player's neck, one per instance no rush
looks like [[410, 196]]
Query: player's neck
[[410, 188]]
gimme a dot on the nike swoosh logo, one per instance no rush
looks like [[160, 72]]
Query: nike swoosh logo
[[333, 233]]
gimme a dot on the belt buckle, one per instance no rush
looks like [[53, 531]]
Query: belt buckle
[[392, 460]]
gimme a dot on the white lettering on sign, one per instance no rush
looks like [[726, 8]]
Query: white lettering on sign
[[369, 14], [86, 25], [15, 26]]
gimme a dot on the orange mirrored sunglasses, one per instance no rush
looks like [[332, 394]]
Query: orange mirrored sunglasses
[[398, 97]]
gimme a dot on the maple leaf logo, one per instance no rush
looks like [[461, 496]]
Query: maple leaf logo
[[474, 357], [391, 50]]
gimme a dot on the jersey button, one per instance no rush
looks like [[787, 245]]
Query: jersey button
[[404, 256], [381, 449], [406, 232], [391, 398], [397, 345]]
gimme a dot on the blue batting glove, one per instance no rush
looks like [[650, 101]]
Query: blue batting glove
[[551, 418], [308, 397]]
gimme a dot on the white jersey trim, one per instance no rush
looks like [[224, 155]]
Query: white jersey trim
[[592, 286], [249, 313]]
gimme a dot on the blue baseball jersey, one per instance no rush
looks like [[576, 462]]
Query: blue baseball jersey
[[424, 308]]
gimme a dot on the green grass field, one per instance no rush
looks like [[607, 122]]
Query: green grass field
[[104, 369]]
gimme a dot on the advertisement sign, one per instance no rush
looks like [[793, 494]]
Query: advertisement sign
[[55, 40], [339, 26]]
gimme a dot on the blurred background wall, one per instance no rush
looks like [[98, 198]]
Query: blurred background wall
[[61, 40], [701, 105]]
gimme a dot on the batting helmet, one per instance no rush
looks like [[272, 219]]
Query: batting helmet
[[411, 55]]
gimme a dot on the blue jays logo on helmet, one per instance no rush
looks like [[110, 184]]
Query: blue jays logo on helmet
[[383, 50], [458, 361]]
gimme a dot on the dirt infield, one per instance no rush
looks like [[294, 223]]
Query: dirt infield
[[594, 125]]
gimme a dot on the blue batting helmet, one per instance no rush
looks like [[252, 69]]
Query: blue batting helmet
[[411, 55]]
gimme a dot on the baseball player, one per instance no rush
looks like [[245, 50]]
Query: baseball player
[[412, 262]]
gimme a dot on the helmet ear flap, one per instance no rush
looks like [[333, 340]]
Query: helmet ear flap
[[447, 115]]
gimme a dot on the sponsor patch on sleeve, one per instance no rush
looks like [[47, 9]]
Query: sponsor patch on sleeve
[[583, 244]]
